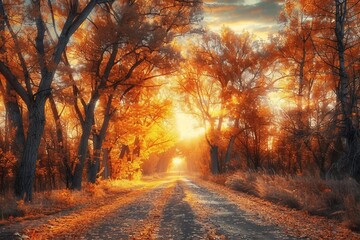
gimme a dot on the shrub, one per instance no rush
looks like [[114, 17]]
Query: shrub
[[282, 197], [243, 183], [352, 217], [219, 179], [9, 208], [339, 199]]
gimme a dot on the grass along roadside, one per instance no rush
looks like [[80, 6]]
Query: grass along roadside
[[51, 202], [333, 199]]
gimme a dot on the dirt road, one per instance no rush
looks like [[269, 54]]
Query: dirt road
[[195, 212], [174, 208]]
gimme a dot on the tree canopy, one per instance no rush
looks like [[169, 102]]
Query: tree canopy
[[98, 86]]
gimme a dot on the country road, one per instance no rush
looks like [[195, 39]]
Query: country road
[[174, 208], [171, 208], [194, 212]]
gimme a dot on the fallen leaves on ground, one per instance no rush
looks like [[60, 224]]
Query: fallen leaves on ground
[[295, 222]]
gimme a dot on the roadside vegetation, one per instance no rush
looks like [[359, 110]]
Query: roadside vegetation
[[335, 199], [54, 201], [104, 89]]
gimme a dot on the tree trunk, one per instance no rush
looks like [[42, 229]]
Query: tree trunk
[[229, 149], [25, 177], [14, 131], [94, 164], [105, 163], [299, 115], [214, 159], [98, 142], [15, 122], [83, 145], [82, 153], [349, 130], [61, 143]]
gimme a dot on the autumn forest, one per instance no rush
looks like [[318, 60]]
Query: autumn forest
[[117, 89]]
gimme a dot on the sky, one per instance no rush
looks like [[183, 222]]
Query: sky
[[256, 16]]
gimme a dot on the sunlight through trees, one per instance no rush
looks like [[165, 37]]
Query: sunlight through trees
[[93, 90]]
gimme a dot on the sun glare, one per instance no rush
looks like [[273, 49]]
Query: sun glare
[[178, 164], [187, 126], [176, 161]]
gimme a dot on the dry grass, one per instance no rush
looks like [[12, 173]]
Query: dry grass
[[50, 202], [219, 179], [336, 199], [9, 209], [243, 183]]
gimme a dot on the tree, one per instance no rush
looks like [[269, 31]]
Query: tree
[[140, 128], [202, 100], [227, 66], [297, 57], [130, 46], [60, 145], [33, 84], [14, 123], [337, 44]]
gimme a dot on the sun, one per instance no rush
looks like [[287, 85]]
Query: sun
[[176, 161], [178, 164], [188, 126]]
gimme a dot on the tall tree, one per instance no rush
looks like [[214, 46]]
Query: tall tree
[[15, 129], [227, 66], [129, 46], [140, 128], [38, 65], [297, 56], [337, 45]]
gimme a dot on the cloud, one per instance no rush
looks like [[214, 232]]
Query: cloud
[[243, 12], [219, 10], [232, 2]]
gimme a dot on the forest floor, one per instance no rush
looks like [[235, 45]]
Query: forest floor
[[177, 207]]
